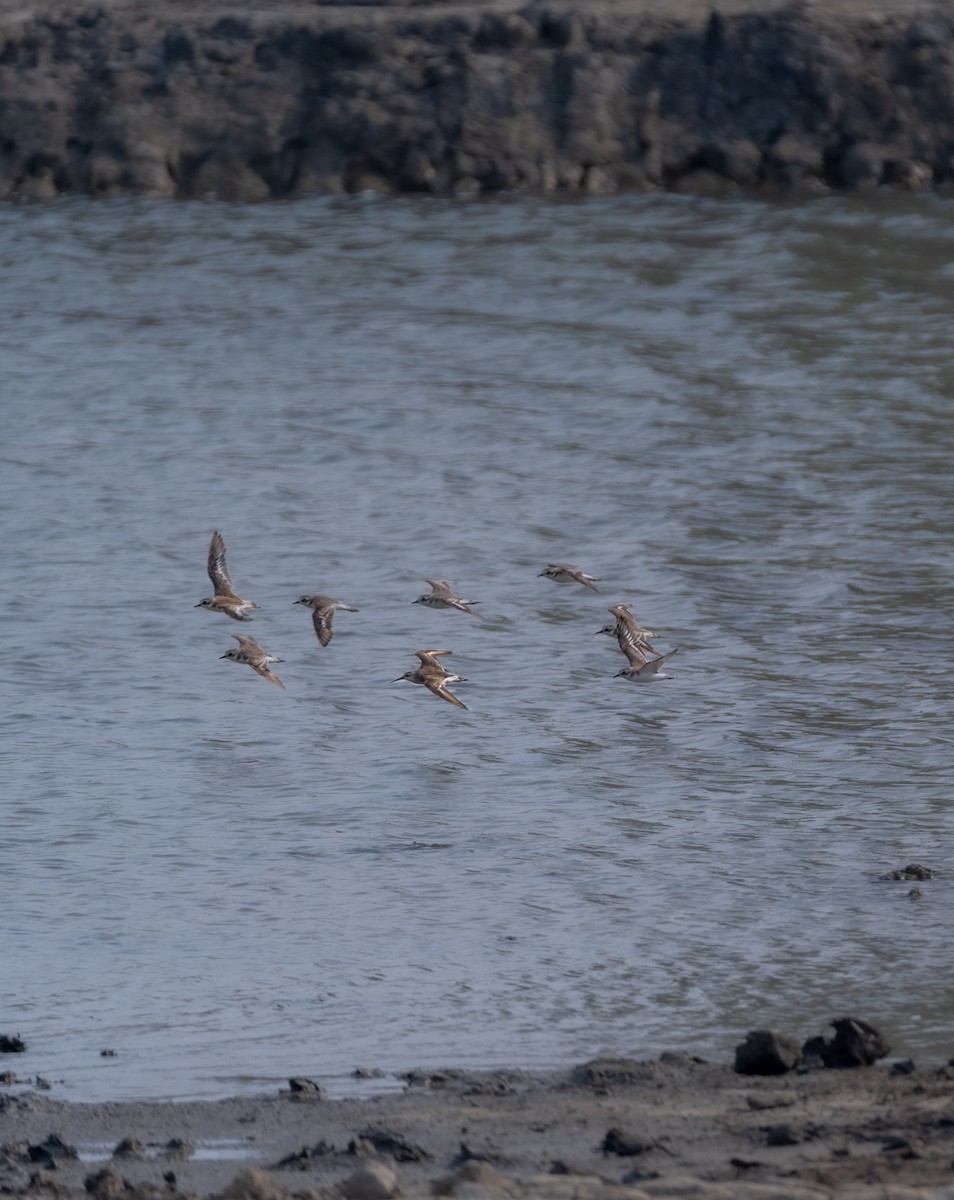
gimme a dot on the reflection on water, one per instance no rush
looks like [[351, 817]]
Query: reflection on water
[[738, 416]]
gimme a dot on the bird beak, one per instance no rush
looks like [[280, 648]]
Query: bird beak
[[223, 656], [398, 680], [196, 605]]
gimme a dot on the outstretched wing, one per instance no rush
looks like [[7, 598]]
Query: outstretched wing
[[437, 684], [442, 588], [218, 571], [651, 667], [247, 644], [429, 658], [266, 674], [464, 606], [635, 655]]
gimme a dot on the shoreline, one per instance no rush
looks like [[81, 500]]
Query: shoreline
[[800, 1136], [285, 100]]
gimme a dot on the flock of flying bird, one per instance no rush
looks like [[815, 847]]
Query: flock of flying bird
[[632, 638]]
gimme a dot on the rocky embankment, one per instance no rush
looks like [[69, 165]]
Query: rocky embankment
[[114, 99]]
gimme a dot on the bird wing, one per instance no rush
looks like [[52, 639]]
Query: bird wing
[[635, 655], [429, 658], [218, 571], [622, 612], [586, 580], [321, 618], [651, 667], [262, 669], [247, 644], [635, 639], [464, 606], [442, 588], [437, 684]]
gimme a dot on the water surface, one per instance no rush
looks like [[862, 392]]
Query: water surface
[[737, 415]]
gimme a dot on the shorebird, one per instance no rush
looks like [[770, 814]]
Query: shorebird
[[628, 632], [224, 599], [252, 655], [322, 614], [442, 595], [434, 675], [561, 573], [647, 671]]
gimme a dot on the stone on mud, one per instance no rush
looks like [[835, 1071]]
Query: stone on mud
[[767, 1053]]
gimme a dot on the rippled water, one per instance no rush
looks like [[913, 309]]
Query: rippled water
[[739, 416]]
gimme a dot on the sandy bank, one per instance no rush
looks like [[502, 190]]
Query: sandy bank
[[863, 1133], [116, 97]]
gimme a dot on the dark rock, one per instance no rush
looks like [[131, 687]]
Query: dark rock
[[904, 1066], [626, 1145], [780, 1135], [766, 1053], [8, 1077], [862, 166], [178, 1149], [11, 1045], [304, 1158], [130, 1148], [795, 160], [855, 1044], [50, 1152], [41, 1084], [913, 871], [305, 1089], [385, 1142], [107, 1054], [735, 159]]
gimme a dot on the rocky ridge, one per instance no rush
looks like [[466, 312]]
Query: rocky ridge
[[218, 102]]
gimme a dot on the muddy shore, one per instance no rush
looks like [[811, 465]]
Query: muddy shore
[[673, 1127], [251, 102]]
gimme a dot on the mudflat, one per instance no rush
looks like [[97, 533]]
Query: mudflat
[[673, 1127]]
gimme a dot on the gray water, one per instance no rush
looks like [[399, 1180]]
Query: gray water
[[738, 416]]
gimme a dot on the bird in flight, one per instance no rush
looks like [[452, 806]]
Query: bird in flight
[[224, 598]]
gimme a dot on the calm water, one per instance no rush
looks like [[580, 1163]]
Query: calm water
[[738, 416]]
